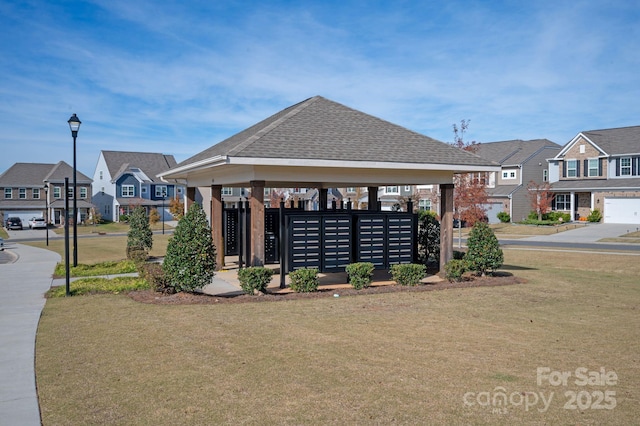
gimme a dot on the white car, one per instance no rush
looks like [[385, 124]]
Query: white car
[[37, 222]]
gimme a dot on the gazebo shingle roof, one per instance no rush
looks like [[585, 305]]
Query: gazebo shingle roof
[[320, 129]]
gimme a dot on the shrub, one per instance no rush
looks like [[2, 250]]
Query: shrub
[[594, 216], [99, 285], [137, 254], [124, 218], [154, 216], [154, 275], [190, 262], [360, 274], [140, 236], [484, 252], [455, 269], [428, 237], [304, 280], [408, 273], [254, 278], [505, 218], [458, 255]]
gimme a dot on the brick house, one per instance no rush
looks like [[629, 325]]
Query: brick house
[[599, 169]]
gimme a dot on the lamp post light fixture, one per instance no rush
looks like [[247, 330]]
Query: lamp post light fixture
[[74, 125]]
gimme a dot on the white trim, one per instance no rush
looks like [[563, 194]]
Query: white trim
[[573, 141]]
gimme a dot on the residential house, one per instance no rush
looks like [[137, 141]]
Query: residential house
[[37, 190], [599, 169], [391, 197], [125, 180], [521, 162]]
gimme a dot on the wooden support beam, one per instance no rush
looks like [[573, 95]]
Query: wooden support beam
[[372, 203], [257, 223], [446, 224], [217, 233]]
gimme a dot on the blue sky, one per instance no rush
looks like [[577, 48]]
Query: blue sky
[[179, 76]]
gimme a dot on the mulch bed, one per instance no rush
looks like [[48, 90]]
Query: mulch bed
[[152, 297]]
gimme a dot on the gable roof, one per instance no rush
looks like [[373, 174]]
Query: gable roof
[[617, 141], [151, 164], [35, 174], [320, 129], [513, 152]]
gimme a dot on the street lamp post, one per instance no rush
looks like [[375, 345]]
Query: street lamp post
[[74, 125], [164, 197], [46, 213]]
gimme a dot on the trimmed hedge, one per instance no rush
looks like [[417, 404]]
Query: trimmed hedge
[[304, 280], [254, 279], [408, 273], [360, 274]]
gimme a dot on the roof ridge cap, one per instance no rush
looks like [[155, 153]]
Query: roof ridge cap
[[294, 110]]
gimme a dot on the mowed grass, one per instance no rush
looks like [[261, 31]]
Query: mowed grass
[[102, 248], [379, 359]]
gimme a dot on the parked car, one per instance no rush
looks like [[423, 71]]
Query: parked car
[[37, 222], [14, 223]]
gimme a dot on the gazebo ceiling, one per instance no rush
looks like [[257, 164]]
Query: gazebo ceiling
[[320, 143]]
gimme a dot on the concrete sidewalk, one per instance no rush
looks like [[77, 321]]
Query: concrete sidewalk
[[589, 233], [22, 284]]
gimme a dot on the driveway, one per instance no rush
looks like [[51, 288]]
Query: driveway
[[590, 233], [22, 285], [30, 234]]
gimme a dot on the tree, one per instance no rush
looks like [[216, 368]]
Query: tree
[[140, 237], [540, 196], [470, 191], [484, 252], [276, 195], [154, 216], [190, 261], [428, 237], [176, 208]]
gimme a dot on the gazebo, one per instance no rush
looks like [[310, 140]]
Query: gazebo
[[322, 144]]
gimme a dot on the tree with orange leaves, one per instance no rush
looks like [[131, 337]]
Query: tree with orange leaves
[[470, 191], [540, 196]]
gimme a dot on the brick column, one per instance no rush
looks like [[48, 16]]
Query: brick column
[[216, 224], [257, 223], [446, 224]]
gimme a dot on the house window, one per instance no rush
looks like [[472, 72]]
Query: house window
[[625, 166], [508, 174], [143, 190], [22, 193], [180, 190], [563, 202], [56, 192], [71, 192], [572, 168], [83, 192], [391, 190], [128, 191], [36, 193], [227, 190], [107, 210], [100, 174], [407, 188], [352, 189], [593, 167], [545, 175], [161, 191], [8, 193], [424, 205]]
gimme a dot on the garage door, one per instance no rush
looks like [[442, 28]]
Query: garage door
[[492, 211], [622, 210], [24, 215]]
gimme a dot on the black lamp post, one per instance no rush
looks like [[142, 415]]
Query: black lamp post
[[46, 213], [74, 125], [164, 197]]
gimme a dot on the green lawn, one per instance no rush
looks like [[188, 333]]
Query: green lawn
[[408, 358]]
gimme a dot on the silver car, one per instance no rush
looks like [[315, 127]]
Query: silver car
[[37, 222]]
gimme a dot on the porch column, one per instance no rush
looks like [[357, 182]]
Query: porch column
[[257, 223], [323, 196], [572, 199], [372, 202], [191, 198], [216, 224], [446, 224]]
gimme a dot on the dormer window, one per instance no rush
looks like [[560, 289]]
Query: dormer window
[[128, 191]]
